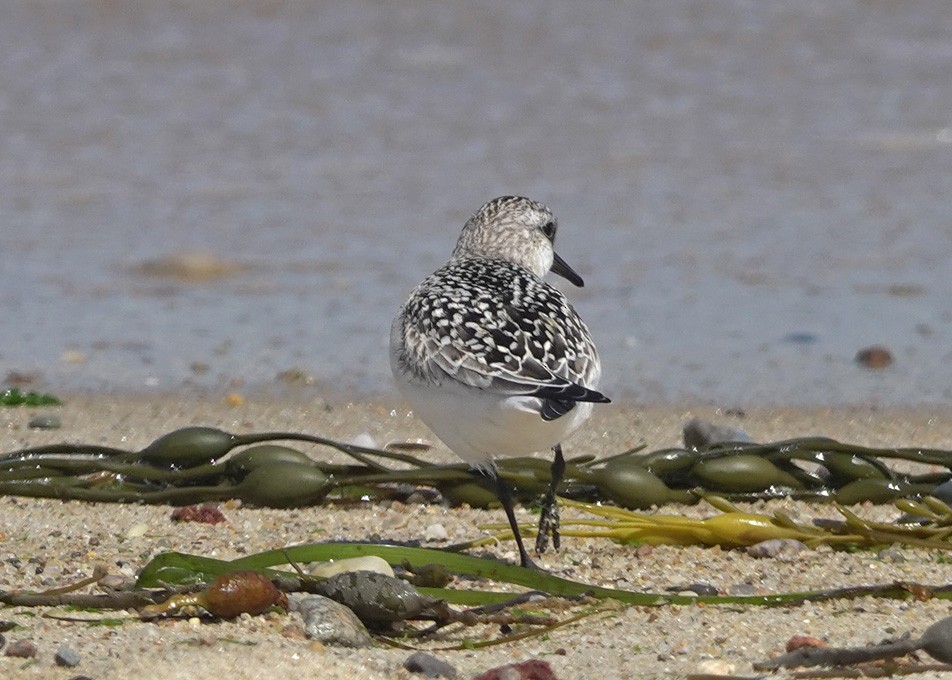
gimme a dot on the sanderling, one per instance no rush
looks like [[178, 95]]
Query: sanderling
[[492, 358]]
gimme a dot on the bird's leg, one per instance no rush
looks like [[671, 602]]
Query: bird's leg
[[505, 497], [549, 520]]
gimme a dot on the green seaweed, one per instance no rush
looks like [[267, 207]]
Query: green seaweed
[[183, 569], [14, 397]]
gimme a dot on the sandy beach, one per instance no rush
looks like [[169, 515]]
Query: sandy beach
[[48, 543]]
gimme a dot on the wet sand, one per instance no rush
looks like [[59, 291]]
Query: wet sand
[[49, 543]]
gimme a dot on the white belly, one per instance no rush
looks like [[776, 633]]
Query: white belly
[[479, 426]]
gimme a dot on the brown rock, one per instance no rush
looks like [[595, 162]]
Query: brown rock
[[874, 356], [533, 669], [23, 649], [207, 513], [798, 641]]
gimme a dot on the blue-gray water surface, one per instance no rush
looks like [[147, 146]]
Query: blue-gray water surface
[[753, 191]]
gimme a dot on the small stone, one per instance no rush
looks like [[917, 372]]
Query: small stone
[[744, 589], [643, 550], [891, 554], [73, 356], [417, 498], [533, 669], [798, 641], [116, 582], [190, 267], [784, 549], [435, 532], [801, 338], [45, 421], [429, 666], [295, 376], [207, 513], [66, 657], [874, 356], [690, 589], [330, 623], [943, 492], [937, 640], [366, 440], [137, 530], [3, 641], [21, 649], [715, 667], [699, 433]]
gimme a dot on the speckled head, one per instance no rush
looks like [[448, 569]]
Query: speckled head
[[518, 230]]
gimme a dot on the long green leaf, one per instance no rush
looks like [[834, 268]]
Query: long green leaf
[[179, 568]]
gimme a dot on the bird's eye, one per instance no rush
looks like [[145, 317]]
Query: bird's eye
[[549, 230]]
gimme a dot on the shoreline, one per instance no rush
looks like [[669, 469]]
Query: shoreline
[[49, 543]]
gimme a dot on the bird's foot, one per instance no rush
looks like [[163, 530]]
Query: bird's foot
[[549, 523]]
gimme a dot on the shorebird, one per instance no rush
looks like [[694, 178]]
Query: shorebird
[[492, 358]]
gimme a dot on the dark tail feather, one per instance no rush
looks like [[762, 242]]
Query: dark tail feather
[[557, 401], [552, 409]]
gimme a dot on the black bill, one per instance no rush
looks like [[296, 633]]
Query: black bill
[[560, 267]]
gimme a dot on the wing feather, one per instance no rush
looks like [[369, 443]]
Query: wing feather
[[492, 325]]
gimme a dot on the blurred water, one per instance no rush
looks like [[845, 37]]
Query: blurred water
[[752, 190]]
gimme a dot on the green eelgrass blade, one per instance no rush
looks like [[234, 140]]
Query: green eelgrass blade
[[177, 568]]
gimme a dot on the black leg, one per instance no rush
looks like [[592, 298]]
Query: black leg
[[505, 497], [549, 520]]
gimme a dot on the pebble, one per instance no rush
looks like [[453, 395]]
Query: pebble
[[65, 656], [745, 589], [22, 649], [45, 421], [891, 554], [206, 513], [366, 440], [874, 356], [699, 433], [376, 599], [429, 666], [644, 550], [295, 376], [190, 267], [943, 492], [777, 548], [73, 356], [435, 532], [715, 667], [137, 530], [115, 582], [3, 641], [799, 641], [690, 589], [424, 497], [533, 669], [937, 640], [330, 623]]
